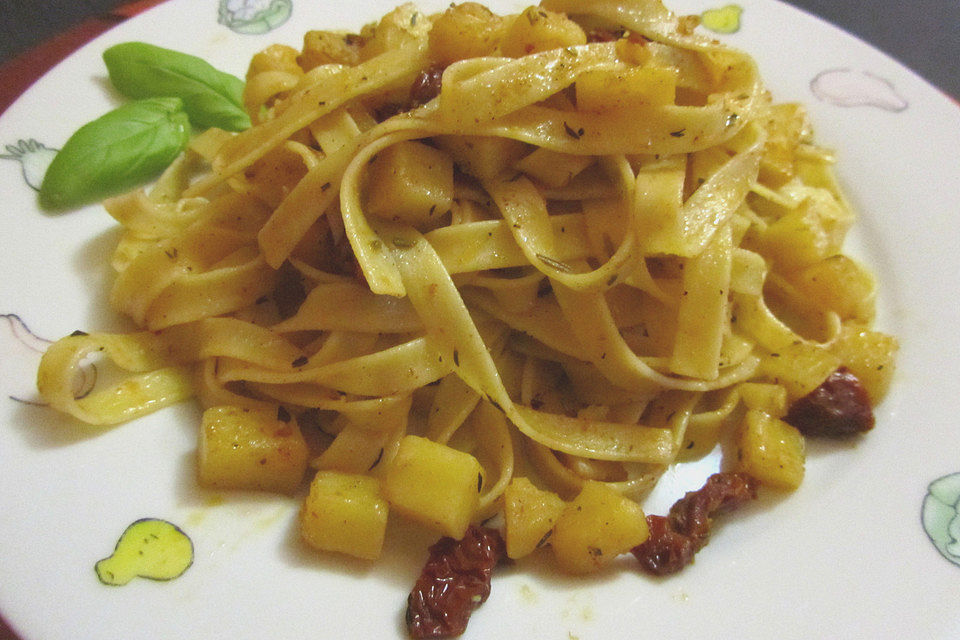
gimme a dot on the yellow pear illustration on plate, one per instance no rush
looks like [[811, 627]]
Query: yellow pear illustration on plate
[[148, 548]]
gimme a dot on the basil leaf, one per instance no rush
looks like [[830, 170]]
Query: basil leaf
[[211, 97], [116, 152]]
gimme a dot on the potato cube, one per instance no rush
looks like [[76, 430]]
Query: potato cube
[[596, 527], [529, 515], [771, 451], [870, 355], [410, 182], [626, 89], [484, 157], [345, 513], [467, 30], [537, 29], [248, 449], [434, 484], [812, 232], [786, 125], [841, 284], [328, 47], [799, 367], [771, 398], [552, 168]]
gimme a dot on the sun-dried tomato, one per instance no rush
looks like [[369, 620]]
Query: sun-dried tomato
[[674, 539], [692, 515], [666, 551], [454, 582], [838, 408], [426, 86]]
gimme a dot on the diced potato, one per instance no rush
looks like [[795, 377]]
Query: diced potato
[[484, 157], [467, 30], [870, 355], [770, 398], [345, 513], [327, 47], [786, 125], [410, 182], [537, 29], [771, 451], [552, 168], [800, 368], [626, 89], [433, 484], [402, 26], [841, 284], [529, 515], [812, 232], [596, 527], [248, 449]]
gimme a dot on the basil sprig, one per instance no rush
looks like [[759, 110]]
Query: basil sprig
[[211, 97], [116, 152]]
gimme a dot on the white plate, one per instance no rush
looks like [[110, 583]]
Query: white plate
[[846, 556]]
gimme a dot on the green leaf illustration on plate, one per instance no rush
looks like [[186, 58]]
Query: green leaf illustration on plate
[[941, 516], [254, 16], [34, 158], [148, 548]]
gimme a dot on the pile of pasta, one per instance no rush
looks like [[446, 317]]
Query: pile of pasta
[[467, 265]]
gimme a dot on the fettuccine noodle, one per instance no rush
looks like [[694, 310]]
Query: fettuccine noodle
[[577, 244]]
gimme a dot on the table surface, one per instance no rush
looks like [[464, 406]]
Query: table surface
[[922, 34]]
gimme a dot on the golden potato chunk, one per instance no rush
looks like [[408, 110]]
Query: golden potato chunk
[[552, 168], [840, 283], [771, 451], [345, 513], [485, 157], [247, 449], [433, 484], [467, 30], [529, 514], [770, 398], [327, 47], [537, 29], [596, 527], [870, 355], [813, 231], [626, 89], [410, 182]]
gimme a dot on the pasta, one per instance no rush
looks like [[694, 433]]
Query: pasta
[[466, 256]]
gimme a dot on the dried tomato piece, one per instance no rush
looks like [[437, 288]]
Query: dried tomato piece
[[454, 582], [666, 551], [692, 515], [674, 539], [838, 408], [426, 86]]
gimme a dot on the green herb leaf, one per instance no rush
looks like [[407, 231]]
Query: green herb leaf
[[116, 152], [211, 97]]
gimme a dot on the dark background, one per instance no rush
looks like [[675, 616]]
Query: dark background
[[922, 34]]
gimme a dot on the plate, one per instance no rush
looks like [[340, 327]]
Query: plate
[[868, 547]]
